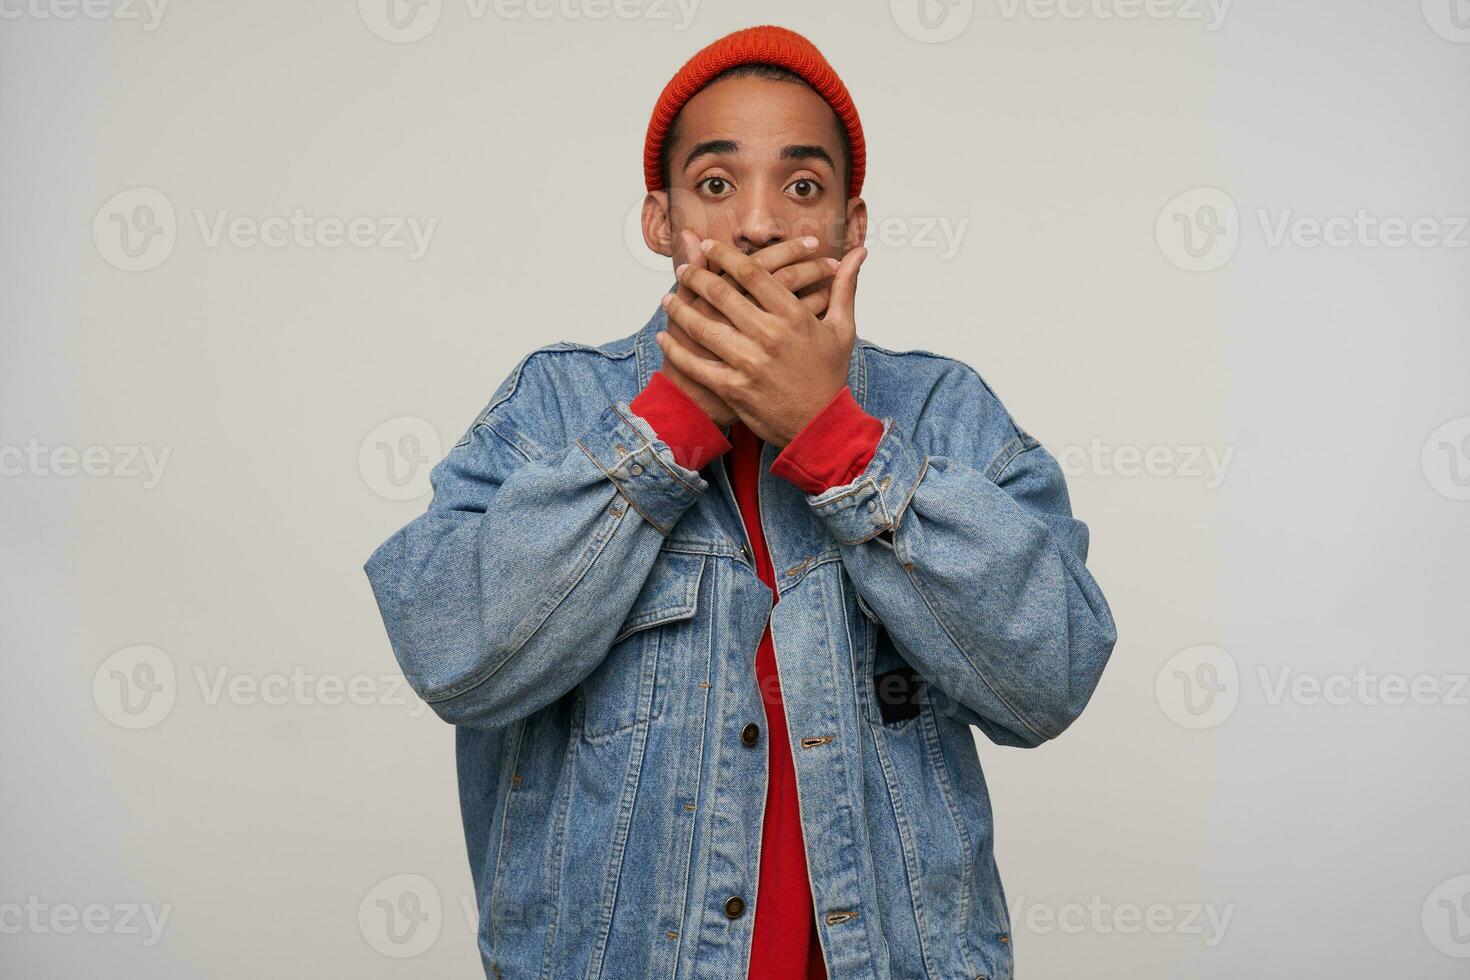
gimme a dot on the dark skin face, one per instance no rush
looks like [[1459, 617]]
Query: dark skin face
[[751, 196], [757, 166]]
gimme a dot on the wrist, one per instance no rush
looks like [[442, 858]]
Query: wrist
[[680, 421]]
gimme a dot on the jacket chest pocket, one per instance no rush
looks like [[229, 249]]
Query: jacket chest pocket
[[629, 687]]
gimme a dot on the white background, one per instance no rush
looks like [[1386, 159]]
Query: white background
[[1328, 549]]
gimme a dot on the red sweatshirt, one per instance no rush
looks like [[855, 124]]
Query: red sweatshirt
[[833, 448]]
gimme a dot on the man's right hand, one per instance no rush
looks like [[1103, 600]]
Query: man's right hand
[[792, 265]]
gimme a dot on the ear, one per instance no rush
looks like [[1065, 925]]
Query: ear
[[658, 230], [857, 223]]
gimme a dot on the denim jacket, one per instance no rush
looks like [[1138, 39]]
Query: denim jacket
[[586, 612]]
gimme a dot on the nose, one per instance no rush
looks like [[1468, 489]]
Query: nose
[[759, 222]]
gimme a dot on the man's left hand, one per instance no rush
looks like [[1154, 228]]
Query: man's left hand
[[778, 363]]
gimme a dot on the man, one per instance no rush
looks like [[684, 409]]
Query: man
[[714, 606]]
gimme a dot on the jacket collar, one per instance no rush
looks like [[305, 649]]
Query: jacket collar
[[650, 356]]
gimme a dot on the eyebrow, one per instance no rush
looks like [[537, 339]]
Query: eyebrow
[[792, 151]]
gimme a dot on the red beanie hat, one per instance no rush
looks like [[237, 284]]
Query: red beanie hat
[[767, 43]]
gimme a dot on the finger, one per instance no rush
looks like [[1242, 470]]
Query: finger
[[783, 254], [844, 289], [720, 339], [682, 336], [800, 275], [817, 302], [689, 253], [721, 295], [714, 375], [745, 270]]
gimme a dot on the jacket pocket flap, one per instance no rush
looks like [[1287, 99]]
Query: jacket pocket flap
[[670, 593]]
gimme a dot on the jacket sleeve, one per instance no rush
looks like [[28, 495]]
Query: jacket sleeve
[[509, 590], [976, 568]]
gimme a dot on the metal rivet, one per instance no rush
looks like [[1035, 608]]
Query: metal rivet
[[872, 506], [750, 734], [734, 906], [635, 469]]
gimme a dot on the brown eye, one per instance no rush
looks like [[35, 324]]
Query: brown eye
[[716, 185], [805, 188]]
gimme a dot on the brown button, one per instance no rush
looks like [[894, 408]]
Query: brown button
[[750, 734], [734, 906]]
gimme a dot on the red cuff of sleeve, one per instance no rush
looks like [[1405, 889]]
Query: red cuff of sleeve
[[678, 420], [833, 448]]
